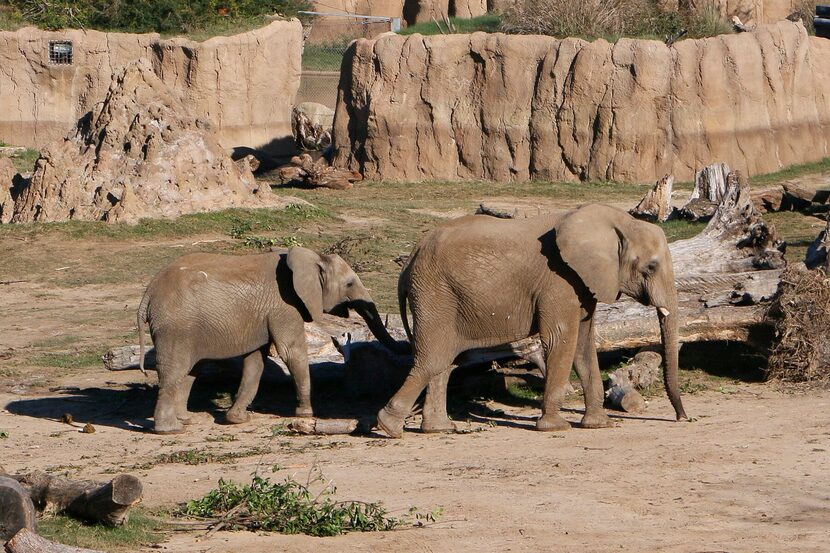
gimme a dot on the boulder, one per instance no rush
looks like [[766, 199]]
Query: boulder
[[493, 106], [141, 153]]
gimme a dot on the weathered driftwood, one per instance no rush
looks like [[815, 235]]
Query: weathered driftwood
[[656, 204], [26, 541], [16, 508], [109, 503], [818, 252], [638, 374], [323, 426], [306, 171], [710, 187]]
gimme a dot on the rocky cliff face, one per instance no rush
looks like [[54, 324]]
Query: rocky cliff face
[[141, 153], [518, 107], [244, 84]]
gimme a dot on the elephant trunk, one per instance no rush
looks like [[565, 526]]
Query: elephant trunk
[[369, 312], [669, 321]]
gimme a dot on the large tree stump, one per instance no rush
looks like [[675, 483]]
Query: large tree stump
[[818, 252], [108, 503], [656, 205], [16, 508], [26, 541], [710, 187]]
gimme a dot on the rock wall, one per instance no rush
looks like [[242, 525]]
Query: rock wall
[[244, 84], [517, 107], [141, 152], [383, 8]]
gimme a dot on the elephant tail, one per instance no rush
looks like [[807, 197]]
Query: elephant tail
[[403, 292], [141, 319]]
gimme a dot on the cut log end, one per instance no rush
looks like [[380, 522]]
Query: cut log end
[[26, 541], [16, 509]]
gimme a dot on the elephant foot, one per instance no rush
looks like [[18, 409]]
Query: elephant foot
[[164, 429], [237, 417], [552, 423], [185, 419], [596, 419], [391, 424], [304, 412], [445, 426]]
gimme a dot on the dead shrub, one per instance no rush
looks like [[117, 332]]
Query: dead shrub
[[802, 351], [610, 19]]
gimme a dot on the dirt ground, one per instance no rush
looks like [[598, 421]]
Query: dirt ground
[[748, 474]]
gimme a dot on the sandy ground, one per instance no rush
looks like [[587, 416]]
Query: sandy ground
[[749, 474]]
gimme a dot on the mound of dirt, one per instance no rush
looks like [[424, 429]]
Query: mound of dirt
[[140, 153]]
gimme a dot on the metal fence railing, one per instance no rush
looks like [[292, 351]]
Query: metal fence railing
[[327, 37]]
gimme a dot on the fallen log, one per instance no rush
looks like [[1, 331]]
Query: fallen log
[[108, 503], [306, 171], [26, 541], [323, 426], [16, 508], [638, 374]]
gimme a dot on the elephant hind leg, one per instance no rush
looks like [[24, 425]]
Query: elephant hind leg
[[427, 365], [182, 395], [252, 367], [173, 369], [435, 417]]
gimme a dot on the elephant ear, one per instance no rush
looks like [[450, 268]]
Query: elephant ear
[[306, 267], [589, 243]]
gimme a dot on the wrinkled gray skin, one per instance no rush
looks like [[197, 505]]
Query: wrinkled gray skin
[[479, 281], [208, 306]]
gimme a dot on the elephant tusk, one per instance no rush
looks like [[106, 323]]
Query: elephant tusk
[[663, 311]]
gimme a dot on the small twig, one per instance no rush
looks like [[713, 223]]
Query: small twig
[[437, 25], [12, 281]]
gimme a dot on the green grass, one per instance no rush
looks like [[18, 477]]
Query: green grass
[[487, 23], [791, 172], [70, 360], [24, 162], [230, 222], [525, 393], [140, 531], [324, 57], [201, 456]]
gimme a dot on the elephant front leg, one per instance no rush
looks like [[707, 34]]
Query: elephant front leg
[[297, 360], [252, 367], [587, 367], [435, 418], [560, 349]]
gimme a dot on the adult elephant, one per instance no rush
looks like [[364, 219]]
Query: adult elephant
[[209, 306], [479, 281]]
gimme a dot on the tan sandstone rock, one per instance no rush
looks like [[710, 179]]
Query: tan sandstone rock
[[504, 107], [141, 153], [7, 173], [750, 11], [244, 85]]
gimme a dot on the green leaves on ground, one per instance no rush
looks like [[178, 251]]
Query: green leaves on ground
[[289, 507]]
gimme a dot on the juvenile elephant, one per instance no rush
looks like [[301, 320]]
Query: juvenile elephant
[[208, 306], [479, 281]]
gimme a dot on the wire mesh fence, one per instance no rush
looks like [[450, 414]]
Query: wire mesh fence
[[327, 37]]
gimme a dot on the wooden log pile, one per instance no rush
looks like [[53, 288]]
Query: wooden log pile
[[22, 495], [305, 171]]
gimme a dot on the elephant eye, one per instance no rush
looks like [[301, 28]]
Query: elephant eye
[[350, 284], [652, 266]]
